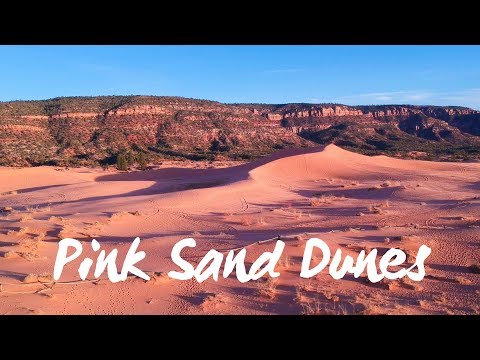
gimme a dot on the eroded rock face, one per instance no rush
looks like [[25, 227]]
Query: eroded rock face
[[366, 111], [94, 129]]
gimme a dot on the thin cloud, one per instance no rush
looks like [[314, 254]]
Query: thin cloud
[[395, 96], [467, 97], [470, 96], [282, 71]]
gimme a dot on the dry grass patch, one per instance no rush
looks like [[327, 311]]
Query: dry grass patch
[[118, 215], [23, 230], [405, 283], [7, 210], [30, 278], [324, 199], [301, 240], [404, 238], [462, 280], [67, 231], [378, 208], [374, 209], [297, 214], [299, 237], [316, 307], [384, 204], [246, 221], [285, 261], [423, 304], [300, 295], [26, 217], [329, 295], [353, 183], [37, 208], [261, 221], [56, 219], [308, 286], [11, 255], [267, 288], [42, 278], [212, 301], [158, 277], [40, 237], [440, 298]]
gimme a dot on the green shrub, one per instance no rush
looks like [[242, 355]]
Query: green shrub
[[122, 164]]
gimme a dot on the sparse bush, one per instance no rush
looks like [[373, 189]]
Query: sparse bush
[[158, 277], [23, 230], [374, 209], [318, 308], [299, 237], [462, 280], [26, 217], [10, 254], [285, 261], [212, 301], [300, 296], [66, 232], [45, 277], [261, 221], [246, 221], [324, 199], [30, 278], [37, 208], [440, 298], [118, 215], [475, 268], [130, 158], [268, 288], [40, 236], [384, 204], [122, 164], [142, 161]]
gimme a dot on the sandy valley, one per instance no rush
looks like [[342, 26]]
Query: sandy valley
[[351, 201]]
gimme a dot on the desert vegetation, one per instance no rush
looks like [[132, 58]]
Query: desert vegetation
[[87, 131]]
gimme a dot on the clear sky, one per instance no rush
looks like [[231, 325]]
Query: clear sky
[[354, 75]]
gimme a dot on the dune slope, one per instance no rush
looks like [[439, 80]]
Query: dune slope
[[351, 201]]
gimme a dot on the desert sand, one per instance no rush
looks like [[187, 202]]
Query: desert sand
[[351, 201]]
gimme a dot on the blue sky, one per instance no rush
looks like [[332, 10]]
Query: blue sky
[[354, 75]]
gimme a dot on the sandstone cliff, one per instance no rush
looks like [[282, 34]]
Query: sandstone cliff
[[93, 130]]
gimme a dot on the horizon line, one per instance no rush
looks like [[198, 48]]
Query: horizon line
[[234, 103]]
